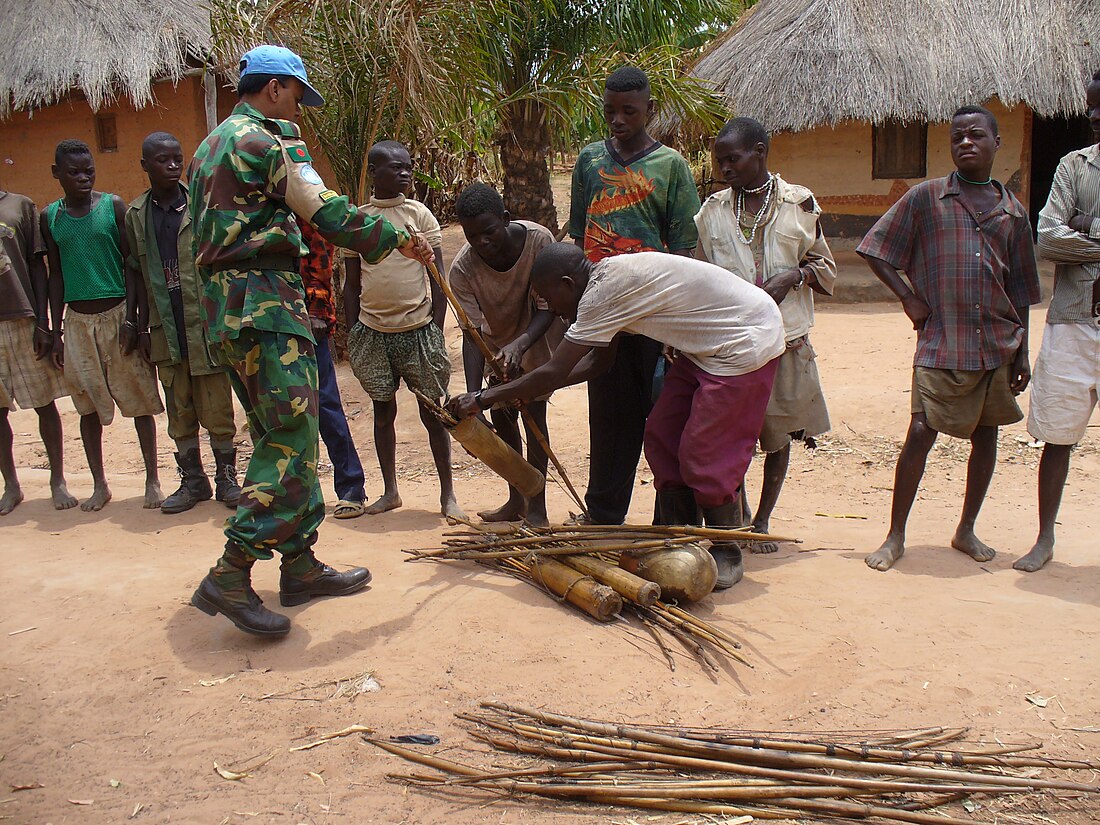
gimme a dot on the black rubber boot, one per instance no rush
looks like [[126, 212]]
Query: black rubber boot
[[676, 505], [303, 577], [727, 554], [226, 489], [194, 485], [227, 589]]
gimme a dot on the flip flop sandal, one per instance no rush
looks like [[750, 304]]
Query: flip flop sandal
[[349, 509]]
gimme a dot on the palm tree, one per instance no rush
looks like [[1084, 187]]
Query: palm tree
[[545, 61]]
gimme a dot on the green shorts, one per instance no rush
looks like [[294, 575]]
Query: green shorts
[[957, 402], [380, 360]]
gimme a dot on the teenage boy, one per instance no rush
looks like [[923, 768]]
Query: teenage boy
[[700, 437], [630, 194], [28, 378], [491, 277], [964, 242], [766, 231], [86, 243], [196, 392], [1066, 385], [395, 313], [347, 471], [249, 178]]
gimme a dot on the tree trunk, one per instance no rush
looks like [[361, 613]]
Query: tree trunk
[[524, 156]]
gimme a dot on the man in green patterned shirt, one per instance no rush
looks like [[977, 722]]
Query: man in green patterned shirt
[[248, 180]]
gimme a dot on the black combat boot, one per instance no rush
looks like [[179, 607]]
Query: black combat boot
[[303, 577], [226, 488], [727, 554], [227, 589], [194, 485]]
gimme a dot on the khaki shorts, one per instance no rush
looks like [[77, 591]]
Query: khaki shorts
[[957, 402], [1066, 385], [797, 404], [25, 382], [99, 376]]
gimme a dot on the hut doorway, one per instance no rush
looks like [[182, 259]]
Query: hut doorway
[[1051, 139]]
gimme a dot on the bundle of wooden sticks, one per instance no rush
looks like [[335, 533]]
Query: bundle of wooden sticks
[[578, 564], [893, 776]]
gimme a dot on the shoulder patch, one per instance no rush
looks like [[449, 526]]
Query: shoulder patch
[[327, 195], [309, 175], [298, 154]]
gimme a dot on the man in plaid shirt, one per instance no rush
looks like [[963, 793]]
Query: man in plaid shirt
[[964, 243]]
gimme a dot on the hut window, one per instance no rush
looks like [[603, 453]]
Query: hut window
[[900, 150], [106, 133]]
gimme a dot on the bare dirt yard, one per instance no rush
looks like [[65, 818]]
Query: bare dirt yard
[[117, 697]]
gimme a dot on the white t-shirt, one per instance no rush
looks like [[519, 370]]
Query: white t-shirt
[[725, 325]]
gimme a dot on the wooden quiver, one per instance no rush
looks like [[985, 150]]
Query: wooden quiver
[[685, 572], [579, 589], [488, 448]]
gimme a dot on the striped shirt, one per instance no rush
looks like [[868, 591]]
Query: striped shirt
[[1075, 191], [973, 271]]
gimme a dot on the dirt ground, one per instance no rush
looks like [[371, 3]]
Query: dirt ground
[[116, 693]]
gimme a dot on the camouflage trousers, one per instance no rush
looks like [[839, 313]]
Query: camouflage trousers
[[275, 376]]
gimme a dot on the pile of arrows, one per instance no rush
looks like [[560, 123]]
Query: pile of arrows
[[891, 776], [578, 564]]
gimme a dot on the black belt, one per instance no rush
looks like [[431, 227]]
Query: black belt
[[280, 263]]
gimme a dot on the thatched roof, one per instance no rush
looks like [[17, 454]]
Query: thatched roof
[[105, 49], [796, 64]]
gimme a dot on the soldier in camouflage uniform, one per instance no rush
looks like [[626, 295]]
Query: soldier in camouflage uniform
[[248, 179]]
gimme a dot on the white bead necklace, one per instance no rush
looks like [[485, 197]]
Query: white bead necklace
[[739, 209]]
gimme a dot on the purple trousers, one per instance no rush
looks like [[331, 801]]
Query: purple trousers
[[704, 428]]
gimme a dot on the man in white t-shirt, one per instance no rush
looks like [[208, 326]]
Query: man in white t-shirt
[[728, 335]]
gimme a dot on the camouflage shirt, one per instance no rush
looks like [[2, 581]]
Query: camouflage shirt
[[248, 180]]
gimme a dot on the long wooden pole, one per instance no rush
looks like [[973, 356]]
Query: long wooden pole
[[490, 358]]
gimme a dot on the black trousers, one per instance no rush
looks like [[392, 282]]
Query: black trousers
[[618, 403]]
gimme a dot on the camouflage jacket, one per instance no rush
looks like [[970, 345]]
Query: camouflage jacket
[[248, 180]]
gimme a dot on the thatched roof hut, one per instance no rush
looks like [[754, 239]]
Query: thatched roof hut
[[105, 49], [797, 64]]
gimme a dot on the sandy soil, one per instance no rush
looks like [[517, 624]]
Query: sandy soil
[[105, 697]]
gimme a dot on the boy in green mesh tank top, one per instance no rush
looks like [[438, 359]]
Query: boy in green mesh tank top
[[86, 245]]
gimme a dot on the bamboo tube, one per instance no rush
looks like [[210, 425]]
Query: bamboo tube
[[475, 335], [487, 447], [597, 600], [788, 760], [632, 587]]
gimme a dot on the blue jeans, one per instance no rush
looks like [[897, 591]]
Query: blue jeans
[[347, 471]]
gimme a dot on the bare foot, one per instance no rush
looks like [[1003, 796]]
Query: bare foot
[[100, 497], [153, 495], [761, 548], [1040, 554], [448, 506], [62, 498], [884, 558], [385, 503], [10, 500], [967, 542], [511, 511]]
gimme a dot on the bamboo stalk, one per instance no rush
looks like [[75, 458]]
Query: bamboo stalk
[[716, 533], [783, 759], [597, 752]]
